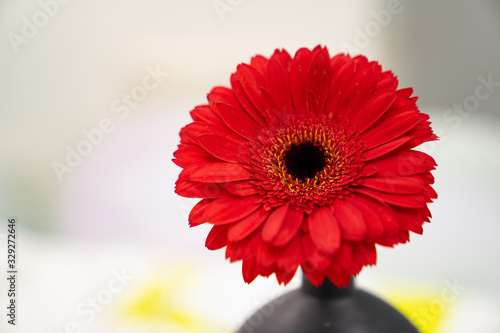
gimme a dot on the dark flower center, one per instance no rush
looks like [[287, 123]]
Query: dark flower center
[[304, 160]]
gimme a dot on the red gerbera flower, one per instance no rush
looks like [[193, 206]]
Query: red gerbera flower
[[307, 161]]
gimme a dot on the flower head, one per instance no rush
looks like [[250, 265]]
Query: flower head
[[307, 161]]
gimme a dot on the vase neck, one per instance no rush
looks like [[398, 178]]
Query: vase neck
[[327, 289]]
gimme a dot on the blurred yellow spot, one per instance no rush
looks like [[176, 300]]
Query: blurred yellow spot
[[154, 304], [425, 309], [159, 303]]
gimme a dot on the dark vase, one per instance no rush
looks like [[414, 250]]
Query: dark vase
[[327, 309]]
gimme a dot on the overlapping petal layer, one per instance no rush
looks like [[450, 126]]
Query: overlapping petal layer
[[307, 162]]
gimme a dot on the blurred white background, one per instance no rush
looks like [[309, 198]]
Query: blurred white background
[[66, 70]]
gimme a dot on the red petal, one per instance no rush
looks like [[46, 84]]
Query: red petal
[[264, 256], [404, 236], [338, 61], [217, 237], [400, 185], [390, 127], [243, 249], [360, 60], [189, 154], [249, 270], [387, 81], [339, 278], [410, 219], [401, 200], [246, 105], [243, 188], [430, 193], [290, 227], [312, 103], [218, 172], [196, 215], [427, 178], [338, 81], [385, 214], [274, 222], [317, 80], [206, 114], [418, 135], [223, 95], [350, 220], [343, 257], [385, 148], [284, 277], [272, 108], [403, 164], [283, 58], [355, 268], [314, 257], [246, 84], [403, 102], [259, 63], [324, 230], [266, 271], [365, 253], [298, 77], [251, 81], [374, 227], [238, 121], [313, 275], [405, 92], [189, 189], [230, 209], [291, 255], [373, 109], [357, 90], [241, 229], [278, 85], [224, 148], [196, 129]]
